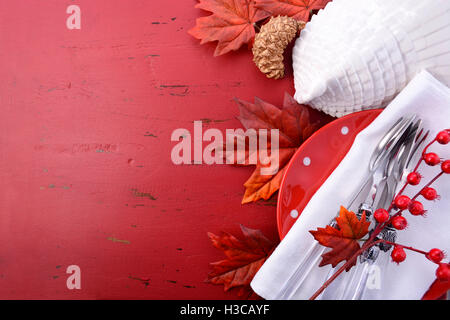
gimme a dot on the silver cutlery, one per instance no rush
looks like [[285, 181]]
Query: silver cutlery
[[375, 260], [376, 198], [385, 146]]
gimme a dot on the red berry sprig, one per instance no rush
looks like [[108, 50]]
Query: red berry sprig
[[435, 255], [398, 254], [443, 137], [402, 202], [414, 178], [399, 222], [429, 193], [443, 272], [445, 166], [381, 215], [416, 208], [431, 159]]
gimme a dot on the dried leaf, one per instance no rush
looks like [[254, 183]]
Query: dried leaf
[[298, 9], [244, 258], [342, 240], [231, 23], [295, 123], [260, 186]]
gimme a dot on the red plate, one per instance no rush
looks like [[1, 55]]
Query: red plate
[[313, 163]]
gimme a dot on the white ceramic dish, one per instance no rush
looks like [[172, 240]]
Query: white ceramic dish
[[356, 55]]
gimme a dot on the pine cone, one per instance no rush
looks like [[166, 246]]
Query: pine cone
[[270, 43]]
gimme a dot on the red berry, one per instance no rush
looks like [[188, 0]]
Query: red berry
[[414, 178], [398, 254], [381, 215], [443, 272], [399, 222], [443, 137], [445, 166], [431, 159], [429, 193], [435, 255], [416, 208], [402, 202]]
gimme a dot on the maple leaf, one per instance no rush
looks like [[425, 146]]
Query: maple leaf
[[342, 240], [231, 23], [297, 9], [244, 258], [437, 290], [295, 123]]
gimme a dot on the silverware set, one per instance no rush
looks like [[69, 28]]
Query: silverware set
[[390, 160]]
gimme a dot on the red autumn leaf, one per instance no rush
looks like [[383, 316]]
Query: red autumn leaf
[[231, 23], [342, 240], [437, 290], [295, 123], [262, 186], [243, 258], [298, 9]]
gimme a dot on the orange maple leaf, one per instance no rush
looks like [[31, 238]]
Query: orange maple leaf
[[231, 23], [342, 240], [295, 123], [298, 9], [244, 258]]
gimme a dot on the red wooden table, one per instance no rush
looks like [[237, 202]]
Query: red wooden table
[[86, 176]]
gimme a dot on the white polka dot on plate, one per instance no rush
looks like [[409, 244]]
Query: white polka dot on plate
[[294, 214], [307, 161], [344, 130]]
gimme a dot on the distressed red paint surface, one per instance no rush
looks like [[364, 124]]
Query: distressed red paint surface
[[85, 171]]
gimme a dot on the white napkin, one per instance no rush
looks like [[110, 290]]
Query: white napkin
[[428, 98]]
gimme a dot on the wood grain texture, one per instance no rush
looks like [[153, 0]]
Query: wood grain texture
[[85, 171]]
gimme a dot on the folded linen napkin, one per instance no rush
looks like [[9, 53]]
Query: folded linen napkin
[[430, 100]]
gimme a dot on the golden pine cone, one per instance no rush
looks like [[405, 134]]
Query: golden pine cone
[[270, 43]]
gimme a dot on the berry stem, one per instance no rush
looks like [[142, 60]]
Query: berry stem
[[404, 247]]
